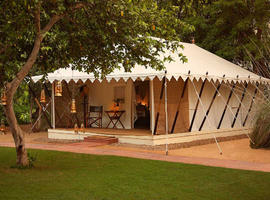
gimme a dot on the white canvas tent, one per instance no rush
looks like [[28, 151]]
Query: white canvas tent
[[207, 92], [199, 63]]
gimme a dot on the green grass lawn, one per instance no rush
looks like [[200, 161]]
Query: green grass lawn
[[60, 175]]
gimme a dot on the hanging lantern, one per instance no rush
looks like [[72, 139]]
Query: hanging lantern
[[122, 13], [42, 96], [73, 106], [2, 127], [58, 89], [4, 99]]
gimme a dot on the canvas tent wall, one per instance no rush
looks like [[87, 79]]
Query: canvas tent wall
[[202, 66], [214, 117]]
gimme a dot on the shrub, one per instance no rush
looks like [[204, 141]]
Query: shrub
[[260, 135], [31, 159]]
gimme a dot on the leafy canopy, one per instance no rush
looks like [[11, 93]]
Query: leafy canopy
[[95, 35]]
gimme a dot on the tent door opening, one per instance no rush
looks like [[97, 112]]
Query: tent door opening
[[142, 111]]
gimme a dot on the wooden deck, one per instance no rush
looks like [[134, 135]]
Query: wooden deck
[[112, 131], [144, 137]]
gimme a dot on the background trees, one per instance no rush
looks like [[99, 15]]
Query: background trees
[[236, 30]]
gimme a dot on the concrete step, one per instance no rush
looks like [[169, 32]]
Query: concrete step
[[101, 139]]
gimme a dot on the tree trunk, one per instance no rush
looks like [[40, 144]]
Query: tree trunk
[[11, 88], [18, 135]]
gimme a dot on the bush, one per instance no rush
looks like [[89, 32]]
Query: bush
[[21, 105], [260, 135]]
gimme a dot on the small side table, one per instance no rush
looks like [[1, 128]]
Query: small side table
[[114, 117]]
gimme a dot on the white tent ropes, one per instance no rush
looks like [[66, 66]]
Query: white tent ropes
[[208, 92]]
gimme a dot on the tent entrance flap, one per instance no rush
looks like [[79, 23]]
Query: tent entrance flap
[[142, 109]]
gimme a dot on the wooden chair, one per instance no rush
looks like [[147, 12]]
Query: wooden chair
[[95, 116]]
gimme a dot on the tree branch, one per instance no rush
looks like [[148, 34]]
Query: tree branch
[[56, 18], [39, 37], [53, 20], [37, 19]]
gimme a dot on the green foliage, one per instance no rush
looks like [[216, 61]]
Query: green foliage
[[260, 135], [21, 105], [61, 175], [32, 159], [231, 28], [90, 34], [95, 37], [236, 30]]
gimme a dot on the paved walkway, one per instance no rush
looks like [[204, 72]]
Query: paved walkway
[[92, 148]]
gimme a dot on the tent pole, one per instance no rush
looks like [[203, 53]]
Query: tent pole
[[210, 106], [152, 106], [197, 104], [226, 106], [160, 98], [31, 106], [42, 108], [166, 111], [250, 107], [179, 104], [70, 96], [50, 95], [53, 106], [240, 104], [85, 105]]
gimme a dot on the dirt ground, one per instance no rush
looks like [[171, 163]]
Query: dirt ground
[[232, 150], [41, 137]]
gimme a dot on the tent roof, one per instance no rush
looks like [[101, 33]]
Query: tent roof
[[201, 64]]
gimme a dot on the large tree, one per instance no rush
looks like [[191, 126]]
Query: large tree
[[95, 35]]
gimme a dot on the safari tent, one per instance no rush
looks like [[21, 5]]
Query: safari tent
[[204, 96]]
